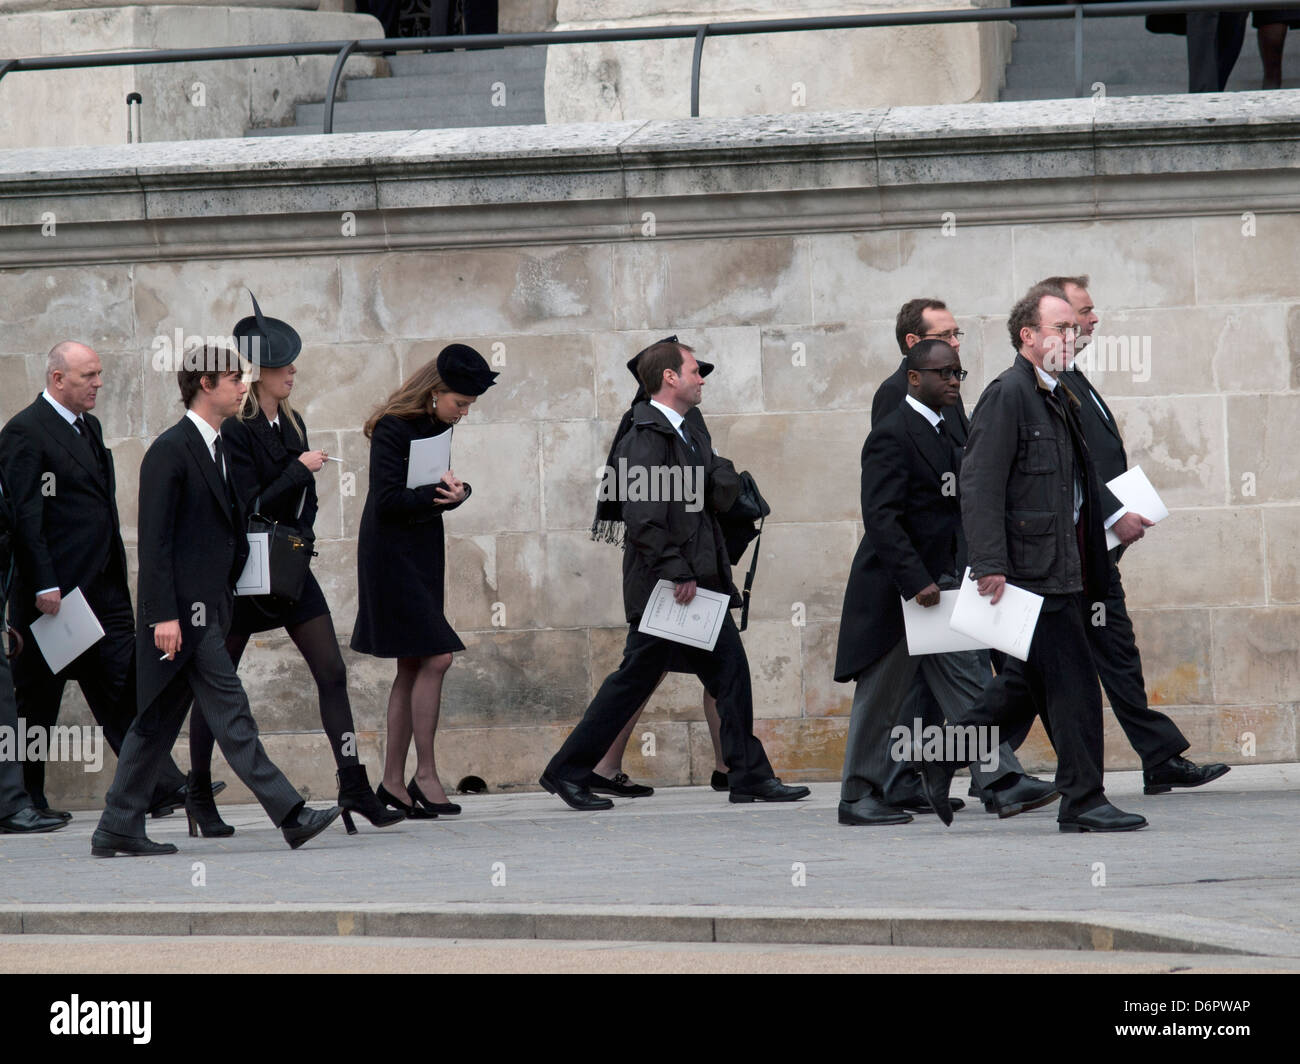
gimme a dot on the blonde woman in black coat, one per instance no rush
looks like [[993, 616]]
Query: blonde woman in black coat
[[400, 569]]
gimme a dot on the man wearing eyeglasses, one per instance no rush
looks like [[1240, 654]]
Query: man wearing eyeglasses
[[1155, 738], [921, 319], [1033, 517]]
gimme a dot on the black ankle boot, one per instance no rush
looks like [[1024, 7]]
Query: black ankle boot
[[201, 809], [355, 796]]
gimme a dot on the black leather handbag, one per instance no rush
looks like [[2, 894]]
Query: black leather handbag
[[289, 554]]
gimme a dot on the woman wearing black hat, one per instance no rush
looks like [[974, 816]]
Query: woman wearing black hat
[[273, 471], [400, 568]]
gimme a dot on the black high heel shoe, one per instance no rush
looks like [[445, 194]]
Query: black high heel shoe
[[355, 796], [411, 812], [436, 808], [201, 811]]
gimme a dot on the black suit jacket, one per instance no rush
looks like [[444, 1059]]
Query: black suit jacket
[[6, 548], [65, 505], [1101, 433], [268, 469], [894, 389], [913, 534], [192, 549]]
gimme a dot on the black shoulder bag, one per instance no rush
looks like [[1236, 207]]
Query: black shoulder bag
[[289, 554], [738, 530]]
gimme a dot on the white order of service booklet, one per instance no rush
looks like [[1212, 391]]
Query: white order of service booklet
[[430, 458], [696, 624], [67, 635], [1008, 626], [928, 629]]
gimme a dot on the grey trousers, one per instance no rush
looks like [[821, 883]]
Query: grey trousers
[[880, 702], [13, 798], [220, 697]]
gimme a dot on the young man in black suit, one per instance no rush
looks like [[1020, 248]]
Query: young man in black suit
[[1157, 739], [18, 814], [193, 546], [68, 536], [678, 540], [913, 546]]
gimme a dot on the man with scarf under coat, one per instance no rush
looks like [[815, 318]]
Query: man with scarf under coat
[[679, 540]]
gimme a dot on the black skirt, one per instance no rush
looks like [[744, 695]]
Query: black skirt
[[261, 613]]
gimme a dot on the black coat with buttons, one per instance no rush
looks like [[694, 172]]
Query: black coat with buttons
[[1017, 489]]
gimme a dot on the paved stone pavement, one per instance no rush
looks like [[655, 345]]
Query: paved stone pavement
[[1218, 870]]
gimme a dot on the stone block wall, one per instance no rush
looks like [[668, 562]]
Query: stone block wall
[[781, 249]]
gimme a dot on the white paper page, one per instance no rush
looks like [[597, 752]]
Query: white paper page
[[696, 624], [928, 631], [1008, 626], [65, 637], [1134, 490], [256, 577], [430, 458]]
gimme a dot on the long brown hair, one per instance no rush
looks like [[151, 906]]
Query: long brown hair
[[252, 405], [415, 398]]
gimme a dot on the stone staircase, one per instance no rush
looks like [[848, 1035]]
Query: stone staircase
[[441, 90], [505, 86], [1122, 55]]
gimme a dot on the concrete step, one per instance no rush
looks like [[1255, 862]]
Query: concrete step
[[421, 113], [428, 88], [344, 123], [501, 60]]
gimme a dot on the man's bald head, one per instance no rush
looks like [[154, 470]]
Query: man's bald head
[[73, 375]]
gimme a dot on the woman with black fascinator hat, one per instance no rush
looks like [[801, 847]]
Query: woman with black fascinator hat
[[274, 472], [401, 568]]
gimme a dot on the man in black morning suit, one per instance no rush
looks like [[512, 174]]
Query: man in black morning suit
[[912, 547], [1156, 738], [192, 547], [68, 536], [18, 815]]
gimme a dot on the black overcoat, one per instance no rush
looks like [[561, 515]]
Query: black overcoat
[[192, 549], [913, 534], [400, 552], [65, 505]]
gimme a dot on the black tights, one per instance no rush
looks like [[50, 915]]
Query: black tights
[[319, 647]]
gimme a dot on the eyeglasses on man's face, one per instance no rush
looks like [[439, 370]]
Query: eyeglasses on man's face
[[947, 372], [1062, 328], [947, 337]]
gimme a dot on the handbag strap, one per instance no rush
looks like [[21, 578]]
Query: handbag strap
[[749, 577]]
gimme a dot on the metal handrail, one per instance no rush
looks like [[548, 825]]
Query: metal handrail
[[342, 50]]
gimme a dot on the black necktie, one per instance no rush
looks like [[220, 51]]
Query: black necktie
[[686, 435], [954, 451], [222, 471]]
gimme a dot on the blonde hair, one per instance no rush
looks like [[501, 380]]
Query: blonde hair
[[252, 404], [414, 398]]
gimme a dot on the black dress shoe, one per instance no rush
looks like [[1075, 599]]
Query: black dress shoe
[[1025, 794], [574, 795], [1104, 817], [936, 781], [866, 810], [305, 824], [58, 814], [922, 805], [620, 786], [770, 790], [434, 808], [388, 798], [718, 781], [109, 844], [1179, 772], [29, 821]]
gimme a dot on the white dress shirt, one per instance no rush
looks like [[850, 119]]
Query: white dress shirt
[[929, 415]]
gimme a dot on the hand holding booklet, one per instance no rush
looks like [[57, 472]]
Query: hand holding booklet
[[696, 624], [65, 636], [928, 630], [430, 458], [1134, 490], [1008, 626]]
